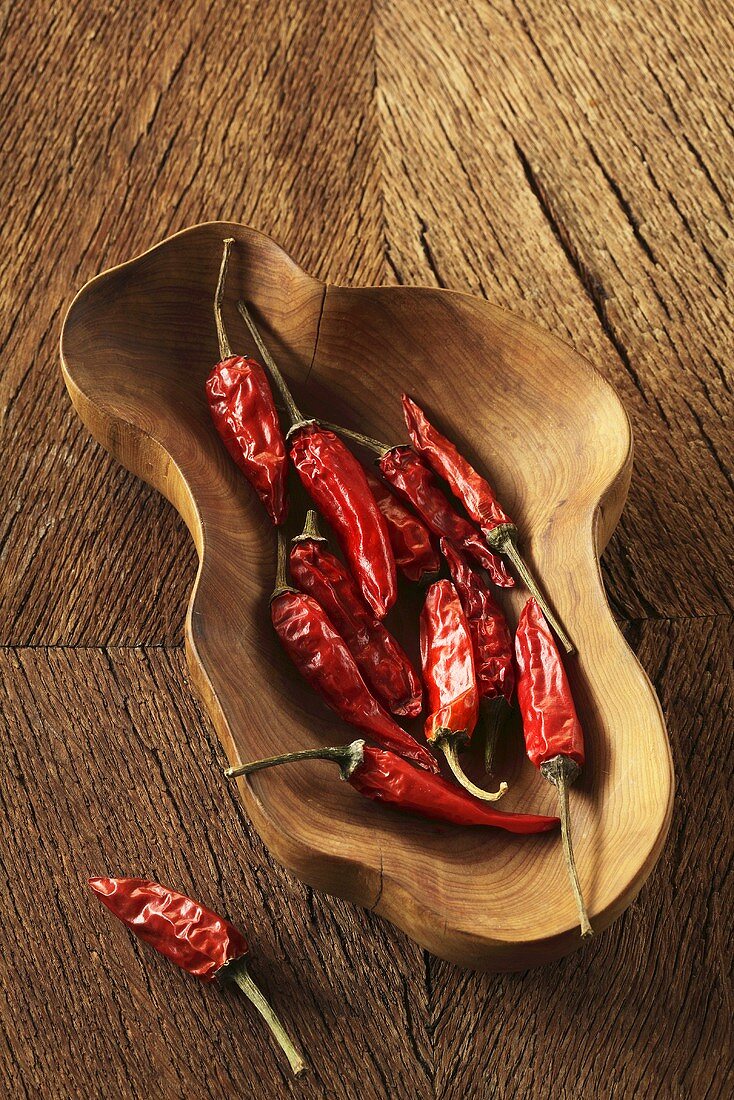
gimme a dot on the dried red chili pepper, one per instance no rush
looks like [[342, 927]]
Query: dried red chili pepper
[[336, 483], [415, 553], [193, 937], [383, 663], [411, 479], [477, 496], [450, 679], [323, 658], [494, 661], [553, 736], [385, 777], [242, 408]]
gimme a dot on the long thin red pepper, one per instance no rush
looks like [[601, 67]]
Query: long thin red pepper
[[478, 498], [193, 937], [494, 660], [553, 736], [450, 679], [336, 483], [412, 480], [242, 408], [381, 775], [414, 550], [323, 658], [383, 663]]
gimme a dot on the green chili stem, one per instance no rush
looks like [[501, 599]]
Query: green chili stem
[[365, 441], [348, 757], [225, 350], [248, 987], [283, 387], [504, 540], [449, 746], [561, 771]]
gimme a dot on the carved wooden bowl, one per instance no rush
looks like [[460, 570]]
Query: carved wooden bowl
[[137, 345]]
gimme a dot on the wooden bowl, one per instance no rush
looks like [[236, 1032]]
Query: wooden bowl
[[137, 345]]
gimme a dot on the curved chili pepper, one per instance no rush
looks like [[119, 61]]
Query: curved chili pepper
[[411, 479], [494, 661], [478, 498], [323, 658], [336, 483], [450, 679], [413, 548], [383, 663], [384, 777], [193, 937], [553, 736], [242, 408]]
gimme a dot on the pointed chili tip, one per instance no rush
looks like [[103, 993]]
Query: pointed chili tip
[[101, 886]]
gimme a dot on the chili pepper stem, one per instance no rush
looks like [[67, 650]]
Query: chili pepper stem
[[281, 569], [449, 747], [495, 714], [503, 540], [561, 771], [365, 441], [225, 351], [311, 529], [348, 757], [241, 977], [294, 412]]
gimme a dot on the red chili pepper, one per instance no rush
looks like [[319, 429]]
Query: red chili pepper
[[553, 736], [323, 658], [383, 663], [411, 479], [478, 498], [494, 661], [450, 679], [336, 483], [242, 408], [413, 548], [191, 936], [385, 777]]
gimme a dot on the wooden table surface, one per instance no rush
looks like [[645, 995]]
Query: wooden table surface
[[570, 161]]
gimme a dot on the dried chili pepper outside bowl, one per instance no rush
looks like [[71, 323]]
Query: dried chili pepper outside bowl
[[554, 439]]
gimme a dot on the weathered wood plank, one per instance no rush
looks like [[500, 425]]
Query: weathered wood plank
[[646, 1009], [110, 768]]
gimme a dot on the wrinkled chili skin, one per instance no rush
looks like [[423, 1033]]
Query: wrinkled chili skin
[[550, 722], [336, 483], [412, 480], [448, 663], [494, 661], [242, 408], [388, 778], [323, 658], [381, 660], [466, 484], [414, 550], [186, 932]]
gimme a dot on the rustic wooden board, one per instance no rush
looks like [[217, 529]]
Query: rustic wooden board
[[140, 126]]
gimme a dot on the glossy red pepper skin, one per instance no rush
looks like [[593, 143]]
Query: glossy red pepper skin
[[550, 722], [412, 480], [494, 661], [242, 408], [448, 664], [388, 778], [413, 548], [186, 932], [383, 663], [323, 658], [336, 483], [466, 484]]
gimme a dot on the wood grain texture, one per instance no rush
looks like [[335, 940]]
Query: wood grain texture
[[136, 347], [328, 131]]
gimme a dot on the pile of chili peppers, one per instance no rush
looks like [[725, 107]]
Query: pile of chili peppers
[[329, 616]]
